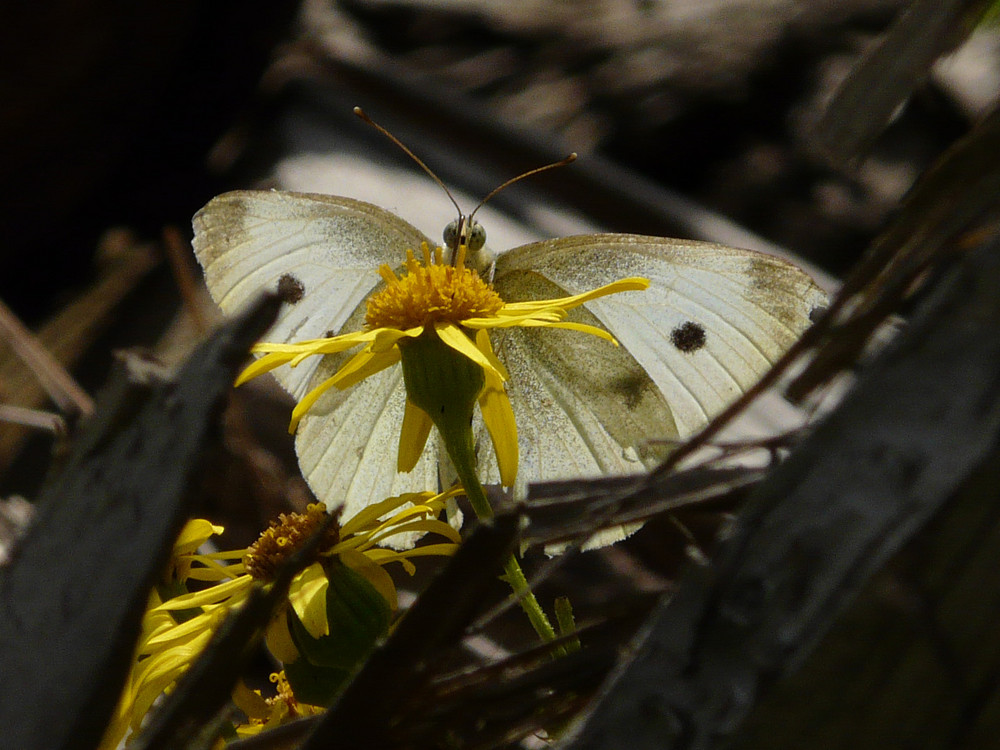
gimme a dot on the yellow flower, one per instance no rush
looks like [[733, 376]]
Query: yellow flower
[[266, 713], [175, 630], [150, 677], [435, 310]]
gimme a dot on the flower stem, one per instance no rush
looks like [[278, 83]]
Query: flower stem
[[445, 385], [463, 456]]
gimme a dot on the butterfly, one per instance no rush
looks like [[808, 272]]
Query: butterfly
[[713, 320]]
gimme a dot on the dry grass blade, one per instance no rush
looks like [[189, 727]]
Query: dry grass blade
[[572, 509], [959, 193], [73, 597], [53, 377], [65, 338], [888, 74], [502, 703]]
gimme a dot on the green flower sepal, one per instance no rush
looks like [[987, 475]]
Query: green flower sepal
[[357, 617], [444, 385]]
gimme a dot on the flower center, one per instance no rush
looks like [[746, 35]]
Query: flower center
[[283, 537], [431, 292]]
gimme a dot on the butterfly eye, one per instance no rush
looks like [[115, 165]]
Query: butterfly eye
[[451, 235], [476, 238], [475, 235]]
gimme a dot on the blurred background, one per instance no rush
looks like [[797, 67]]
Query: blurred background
[[693, 118], [135, 117]]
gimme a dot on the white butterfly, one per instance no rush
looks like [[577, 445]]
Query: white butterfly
[[712, 322]]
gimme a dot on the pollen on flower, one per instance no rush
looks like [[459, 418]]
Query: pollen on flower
[[431, 292], [283, 537]]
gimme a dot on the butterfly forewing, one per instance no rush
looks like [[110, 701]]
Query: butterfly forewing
[[713, 320], [322, 252]]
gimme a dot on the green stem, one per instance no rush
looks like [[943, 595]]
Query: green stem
[[514, 576], [462, 453], [445, 384]]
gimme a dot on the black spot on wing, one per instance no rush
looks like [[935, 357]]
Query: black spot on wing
[[688, 337], [290, 289]]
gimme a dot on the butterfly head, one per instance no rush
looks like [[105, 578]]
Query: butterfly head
[[467, 231]]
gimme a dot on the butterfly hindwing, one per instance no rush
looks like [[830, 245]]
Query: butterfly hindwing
[[583, 406], [347, 443]]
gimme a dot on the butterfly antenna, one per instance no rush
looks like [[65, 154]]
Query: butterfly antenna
[[562, 163], [361, 113]]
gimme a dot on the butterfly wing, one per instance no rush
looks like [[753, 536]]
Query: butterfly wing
[[322, 252], [713, 320], [347, 443], [583, 406]]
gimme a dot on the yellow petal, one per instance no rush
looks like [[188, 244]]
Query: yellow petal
[[362, 365], [423, 526], [484, 345], [499, 419], [331, 345], [506, 319], [584, 328], [372, 513], [383, 554], [185, 631], [211, 595], [369, 515], [631, 284], [195, 533], [418, 511], [261, 366], [157, 673], [307, 595], [308, 400], [386, 338], [276, 354], [279, 639], [454, 337], [228, 554], [250, 702], [412, 437], [217, 572], [498, 416]]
